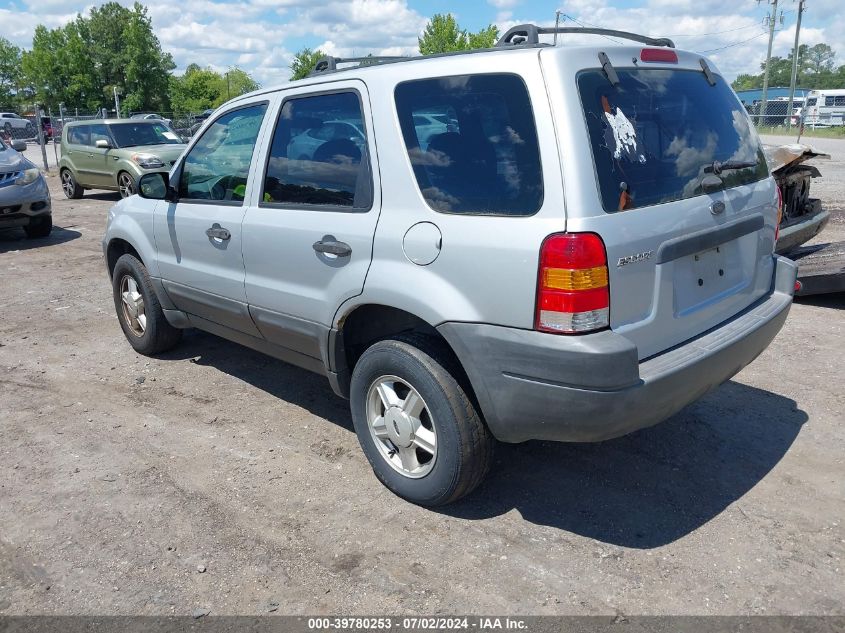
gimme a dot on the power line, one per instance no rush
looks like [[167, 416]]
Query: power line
[[740, 28], [721, 48]]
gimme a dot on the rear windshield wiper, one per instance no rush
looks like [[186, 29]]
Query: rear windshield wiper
[[717, 167]]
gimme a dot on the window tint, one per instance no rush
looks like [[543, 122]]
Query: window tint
[[828, 101], [658, 132], [472, 143], [218, 165], [811, 102], [319, 154], [98, 132], [139, 134], [840, 101], [78, 135]]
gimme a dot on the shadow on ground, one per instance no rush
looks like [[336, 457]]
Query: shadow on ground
[[834, 300], [15, 239], [649, 488], [642, 491], [279, 379]]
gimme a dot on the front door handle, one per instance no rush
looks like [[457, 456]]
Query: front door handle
[[331, 246], [217, 232]]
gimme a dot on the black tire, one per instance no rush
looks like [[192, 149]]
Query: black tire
[[70, 186], [39, 227], [464, 444], [158, 335]]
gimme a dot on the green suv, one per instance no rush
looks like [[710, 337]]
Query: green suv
[[113, 154]]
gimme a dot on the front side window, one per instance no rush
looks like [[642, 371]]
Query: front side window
[[319, 154], [217, 166], [98, 132], [472, 143], [811, 102], [657, 133]]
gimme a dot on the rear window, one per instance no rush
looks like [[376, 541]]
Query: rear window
[[658, 133], [472, 143]]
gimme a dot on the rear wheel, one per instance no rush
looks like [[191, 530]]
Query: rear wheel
[[39, 227], [138, 309], [70, 186], [418, 428]]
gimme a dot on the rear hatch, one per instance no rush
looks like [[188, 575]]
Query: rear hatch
[[671, 175]]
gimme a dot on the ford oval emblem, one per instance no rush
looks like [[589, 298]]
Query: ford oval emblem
[[717, 207]]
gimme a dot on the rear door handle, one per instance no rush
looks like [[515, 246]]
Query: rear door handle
[[217, 232], [331, 246]]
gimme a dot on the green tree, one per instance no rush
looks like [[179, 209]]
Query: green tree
[[202, 88], [304, 62], [818, 59], [10, 73], [147, 67], [442, 34], [82, 62], [239, 82]]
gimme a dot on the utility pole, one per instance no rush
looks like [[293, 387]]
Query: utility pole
[[772, 18], [794, 77], [557, 23]]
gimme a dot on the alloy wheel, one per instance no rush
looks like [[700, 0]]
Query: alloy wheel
[[133, 306], [68, 184], [401, 426]]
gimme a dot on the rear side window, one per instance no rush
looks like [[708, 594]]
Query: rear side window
[[472, 143], [319, 155], [658, 133]]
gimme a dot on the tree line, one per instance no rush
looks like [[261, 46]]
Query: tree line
[[816, 70], [114, 48]]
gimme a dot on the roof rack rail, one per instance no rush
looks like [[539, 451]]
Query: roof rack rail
[[329, 63], [529, 35]]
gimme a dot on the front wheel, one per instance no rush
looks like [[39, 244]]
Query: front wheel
[[70, 186], [126, 184], [138, 309], [416, 424], [39, 227]]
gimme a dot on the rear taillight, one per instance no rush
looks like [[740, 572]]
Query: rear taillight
[[780, 213], [572, 286]]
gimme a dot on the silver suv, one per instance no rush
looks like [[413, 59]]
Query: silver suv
[[583, 247]]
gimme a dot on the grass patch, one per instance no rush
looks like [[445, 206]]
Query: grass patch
[[819, 132]]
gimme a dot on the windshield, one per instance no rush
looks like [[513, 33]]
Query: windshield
[[138, 134], [658, 133]]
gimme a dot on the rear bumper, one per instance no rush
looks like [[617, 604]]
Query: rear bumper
[[532, 385]]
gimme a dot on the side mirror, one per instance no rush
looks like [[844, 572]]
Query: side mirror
[[18, 145], [102, 144], [156, 187]]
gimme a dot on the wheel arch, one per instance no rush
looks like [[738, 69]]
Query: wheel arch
[[365, 324]]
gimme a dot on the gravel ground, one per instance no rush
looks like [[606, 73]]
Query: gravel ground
[[215, 478]]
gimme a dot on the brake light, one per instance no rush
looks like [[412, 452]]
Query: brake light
[[659, 55], [572, 287], [780, 213]]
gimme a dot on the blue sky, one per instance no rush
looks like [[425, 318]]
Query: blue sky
[[261, 36]]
